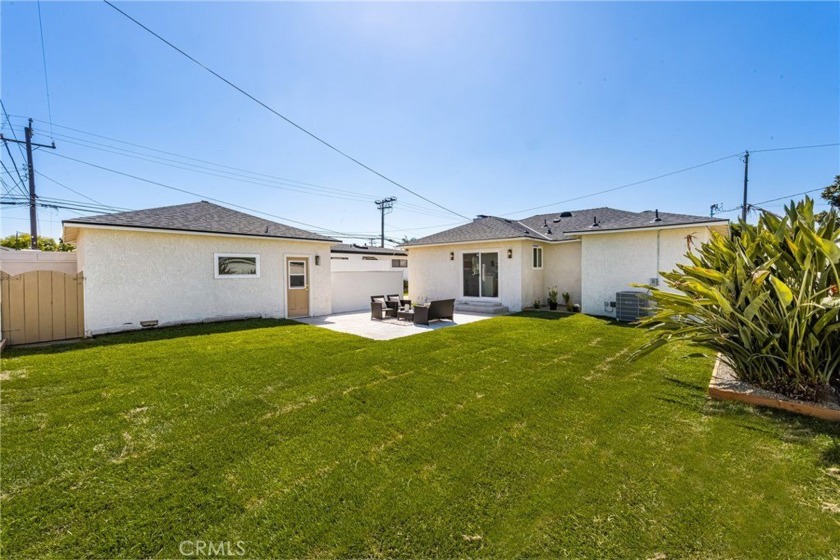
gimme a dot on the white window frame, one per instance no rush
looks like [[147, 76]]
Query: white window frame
[[305, 274], [216, 257], [398, 260], [536, 250]]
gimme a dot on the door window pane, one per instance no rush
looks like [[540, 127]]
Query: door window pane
[[472, 275], [297, 274], [489, 275]]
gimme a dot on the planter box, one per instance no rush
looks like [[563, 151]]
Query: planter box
[[725, 386]]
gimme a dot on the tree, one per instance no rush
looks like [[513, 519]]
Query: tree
[[832, 193], [24, 241]]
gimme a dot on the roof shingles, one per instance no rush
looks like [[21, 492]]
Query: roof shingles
[[555, 227], [199, 217]]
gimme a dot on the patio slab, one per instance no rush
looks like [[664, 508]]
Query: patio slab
[[360, 323]]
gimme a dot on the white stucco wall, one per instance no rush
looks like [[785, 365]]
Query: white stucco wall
[[432, 275], [561, 264], [349, 262], [18, 262], [533, 282], [133, 276], [351, 290], [610, 262]]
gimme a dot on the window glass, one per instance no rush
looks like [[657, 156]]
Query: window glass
[[236, 266], [538, 257]]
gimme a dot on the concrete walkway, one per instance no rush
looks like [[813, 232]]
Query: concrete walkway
[[360, 323]]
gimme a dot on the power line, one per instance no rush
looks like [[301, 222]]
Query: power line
[[275, 182], [70, 189], [44, 60], [795, 148], [203, 196], [14, 164], [277, 113], [14, 183], [789, 196], [625, 186], [12, 129]]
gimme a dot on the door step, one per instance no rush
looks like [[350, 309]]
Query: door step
[[489, 308]]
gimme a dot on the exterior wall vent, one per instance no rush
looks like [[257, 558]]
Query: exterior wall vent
[[630, 306]]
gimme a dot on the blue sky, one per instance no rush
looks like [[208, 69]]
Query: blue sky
[[483, 108]]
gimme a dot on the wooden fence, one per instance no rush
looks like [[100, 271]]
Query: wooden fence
[[41, 306]]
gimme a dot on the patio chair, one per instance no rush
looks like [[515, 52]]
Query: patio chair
[[396, 302], [379, 309]]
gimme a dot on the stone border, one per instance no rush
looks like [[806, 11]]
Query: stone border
[[725, 386]]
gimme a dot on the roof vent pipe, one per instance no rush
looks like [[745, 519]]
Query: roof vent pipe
[[595, 222], [657, 218]]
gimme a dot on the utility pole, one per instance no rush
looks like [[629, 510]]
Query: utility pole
[[383, 205], [30, 171], [745, 207]]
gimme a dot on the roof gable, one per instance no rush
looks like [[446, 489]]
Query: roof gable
[[199, 217]]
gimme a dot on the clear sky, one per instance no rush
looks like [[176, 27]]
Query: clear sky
[[483, 108]]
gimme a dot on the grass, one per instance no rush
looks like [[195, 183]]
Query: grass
[[521, 436]]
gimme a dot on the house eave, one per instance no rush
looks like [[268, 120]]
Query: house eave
[[495, 240], [71, 228], [597, 231]]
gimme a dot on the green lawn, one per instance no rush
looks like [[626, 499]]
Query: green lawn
[[527, 435]]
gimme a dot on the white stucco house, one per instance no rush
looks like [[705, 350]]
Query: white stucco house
[[498, 264], [196, 262]]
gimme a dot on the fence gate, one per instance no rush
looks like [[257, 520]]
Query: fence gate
[[41, 305]]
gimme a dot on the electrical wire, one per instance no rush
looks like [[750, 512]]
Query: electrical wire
[[70, 189], [285, 118], [633, 184], [44, 60], [14, 182], [789, 196], [794, 148], [247, 177], [12, 128], [14, 164], [203, 196]]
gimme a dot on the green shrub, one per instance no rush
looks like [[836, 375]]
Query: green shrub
[[766, 298]]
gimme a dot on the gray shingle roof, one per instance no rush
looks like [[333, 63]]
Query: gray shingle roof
[[203, 217], [555, 227], [365, 250]]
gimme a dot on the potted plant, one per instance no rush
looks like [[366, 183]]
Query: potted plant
[[552, 298], [537, 304], [567, 301]]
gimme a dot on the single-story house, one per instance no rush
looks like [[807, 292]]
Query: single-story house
[[360, 271], [196, 262], [499, 264]]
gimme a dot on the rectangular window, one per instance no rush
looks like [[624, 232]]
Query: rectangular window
[[537, 257], [237, 266], [399, 263], [339, 258]]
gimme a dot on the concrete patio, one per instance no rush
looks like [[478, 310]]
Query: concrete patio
[[360, 323]]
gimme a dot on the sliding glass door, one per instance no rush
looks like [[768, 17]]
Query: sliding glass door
[[481, 275]]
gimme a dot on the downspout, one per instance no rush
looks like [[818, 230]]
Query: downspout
[[658, 268]]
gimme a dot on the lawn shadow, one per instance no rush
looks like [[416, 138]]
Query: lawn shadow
[[546, 315], [151, 335]]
